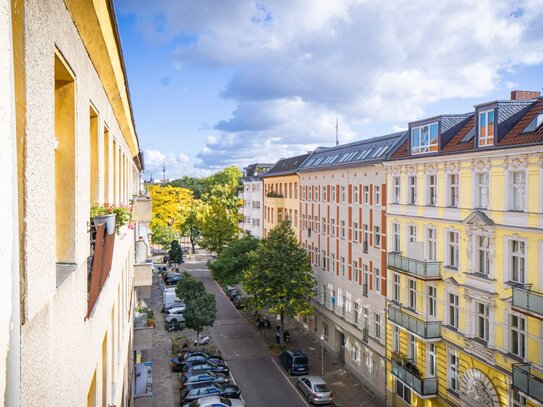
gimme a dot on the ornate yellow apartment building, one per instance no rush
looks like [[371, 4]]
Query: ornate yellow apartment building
[[281, 194], [465, 258]]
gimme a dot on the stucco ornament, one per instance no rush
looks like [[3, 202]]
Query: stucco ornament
[[476, 390], [452, 167]]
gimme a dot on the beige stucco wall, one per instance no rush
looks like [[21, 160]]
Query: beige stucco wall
[[60, 348]]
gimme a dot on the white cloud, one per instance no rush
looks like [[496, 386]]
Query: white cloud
[[177, 165], [299, 64]]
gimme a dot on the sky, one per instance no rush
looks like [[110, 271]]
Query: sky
[[216, 83]]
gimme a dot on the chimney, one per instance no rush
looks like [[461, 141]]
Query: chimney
[[524, 94]]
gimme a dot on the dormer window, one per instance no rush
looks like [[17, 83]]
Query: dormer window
[[486, 128], [534, 124], [424, 139]]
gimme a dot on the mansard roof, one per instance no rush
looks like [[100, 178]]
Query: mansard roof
[[286, 166]]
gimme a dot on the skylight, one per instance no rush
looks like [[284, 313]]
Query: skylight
[[534, 124], [469, 136], [333, 159]]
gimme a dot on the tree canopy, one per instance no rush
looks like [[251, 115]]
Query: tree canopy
[[200, 312], [233, 260], [176, 252], [279, 277], [189, 288]]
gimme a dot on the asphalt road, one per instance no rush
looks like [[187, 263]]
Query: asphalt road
[[263, 383]]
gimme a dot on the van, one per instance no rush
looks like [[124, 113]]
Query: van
[[295, 361], [169, 297]]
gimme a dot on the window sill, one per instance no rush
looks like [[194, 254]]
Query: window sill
[[453, 393], [452, 328], [514, 357], [481, 276], [451, 268]]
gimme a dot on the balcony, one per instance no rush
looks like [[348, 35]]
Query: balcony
[[143, 274], [527, 300], [427, 270], [275, 201], [99, 263], [143, 338], [425, 388], [142, 210], [423, 329], [528, 381]]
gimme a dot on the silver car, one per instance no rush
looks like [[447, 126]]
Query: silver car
[[315, 389], [215, 401]]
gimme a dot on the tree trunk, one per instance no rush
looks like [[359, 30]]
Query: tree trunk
[[282, 328], [192, 243]]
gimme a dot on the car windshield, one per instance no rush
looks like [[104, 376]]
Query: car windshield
[[301, 360], [321, 388]]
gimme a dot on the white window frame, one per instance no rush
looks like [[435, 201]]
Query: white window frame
[[485, 139], [377, 279], [396, 237], [453, 365], [377, 195], [519, 331], [343, 194], [396, 287], [377, 236], [355, 232], [412, 293], [517, 188], [453, 190], [343, 234], [395, 338], [431, 244], [512, 253], [482, 321], [482, 190], [396, 189], [431, 301], [378, 325], [366, 194], [429, 146], [452, 248], [412, 190], [453, 309], [355, 194], [431, 190]]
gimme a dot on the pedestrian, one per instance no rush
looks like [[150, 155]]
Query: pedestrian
[[277, 337]]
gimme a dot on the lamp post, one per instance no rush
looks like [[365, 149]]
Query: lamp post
[[322, 356]]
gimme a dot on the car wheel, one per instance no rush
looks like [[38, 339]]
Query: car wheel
[[309, 399]]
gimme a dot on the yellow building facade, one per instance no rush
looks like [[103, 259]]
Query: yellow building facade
[[465, 259], [281, 194]]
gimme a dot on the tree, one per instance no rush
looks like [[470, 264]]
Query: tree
[[200, 312], [230, 265], [171, 207], [189, 288], [279, 277], [191, 227], [198, 186], [176, 252], [162, 235]]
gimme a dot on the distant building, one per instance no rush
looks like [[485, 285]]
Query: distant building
[[252, 197]]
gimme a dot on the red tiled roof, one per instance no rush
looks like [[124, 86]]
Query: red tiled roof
[[516, 137], [401, 152], [455, 144]]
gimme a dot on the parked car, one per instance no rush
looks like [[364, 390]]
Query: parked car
[[170, 279], [207, 366], [175, 304], [315, 389], [209, 389], [174, 317], [175, 310], [295, 361], [204, 377], [179, 362], [215, 401]]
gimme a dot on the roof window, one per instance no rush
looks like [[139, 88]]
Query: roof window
[[534, 124], [424, 139], [469, 136]]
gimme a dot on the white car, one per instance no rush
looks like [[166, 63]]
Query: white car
[[215, 401], [175, 316]]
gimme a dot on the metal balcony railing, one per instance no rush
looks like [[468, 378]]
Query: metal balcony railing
[[526, 299], [528, 380], [424, 387], [417, 268], [426, 330]]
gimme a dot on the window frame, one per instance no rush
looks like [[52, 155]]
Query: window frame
[[486, 139], [416, 138]]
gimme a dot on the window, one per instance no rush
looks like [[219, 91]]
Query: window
[[343, 229], [432, 301], [518, 261], [403, 392], [411, 233], [483, 255], [377, 326], [452, 249], [355, 232], [355, 353], [411, 347], [366, 193], [518, 336], [412, 198], [412, 294], [482, 190], [333, 193], [324, 189], [483, 320], [356, 312], [317, 188], [333, 262], [432, 359], [396, 190], [310, 193], [452, 370], [356, 271], [365, 279], [325, 331], [534, 124], [295, 218], [377, 194], [518, 180], [377, 279], [295, 190], [355, 194], [324, 294], [431, 244], [332, 227], [452, 198], [343, 305], [366, 320], [290, 189], [343, 199], [396, 287], [486, 128], [324, 259], [395, 338], [366, 239], [395, 237], [432, 190], [376, 236], [93, 143], [454, 310], [343, 266], [517, 400], [424, 139]]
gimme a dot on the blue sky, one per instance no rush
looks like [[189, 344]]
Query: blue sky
[[221, 82]]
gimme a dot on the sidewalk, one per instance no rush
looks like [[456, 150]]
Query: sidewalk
[[348, 391]]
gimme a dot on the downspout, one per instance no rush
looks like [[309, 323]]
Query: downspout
[[13, 360]]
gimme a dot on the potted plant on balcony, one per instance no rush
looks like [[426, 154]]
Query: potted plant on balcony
[[150, 318], [399, 357], [114, 216]]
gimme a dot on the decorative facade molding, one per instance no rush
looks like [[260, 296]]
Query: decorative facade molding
[[480, 165], [452, 167], [477, 390], [517, 163]]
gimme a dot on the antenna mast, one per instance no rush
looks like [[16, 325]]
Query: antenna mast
[[164, 171], [337, 128]]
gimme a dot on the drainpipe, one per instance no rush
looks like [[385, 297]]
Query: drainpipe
[[13, 377]]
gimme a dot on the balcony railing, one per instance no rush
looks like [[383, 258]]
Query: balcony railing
[[526, 299], [100, 265], [426, 330], [423, 387], [417, 268], [142, 210], [528, 380]]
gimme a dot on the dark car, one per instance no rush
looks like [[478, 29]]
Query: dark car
[[187, 359], [207, 366], [172, 279], [208, 377], [209, 389], [295, 361]]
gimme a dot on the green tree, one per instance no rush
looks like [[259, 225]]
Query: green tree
[[198, 186], [189, 288], [176, 252], [279, 277], [162, 235], [191, 227], [234, 259], [200, 312]]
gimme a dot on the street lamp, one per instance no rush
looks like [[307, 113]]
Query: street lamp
[[322, 356]]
